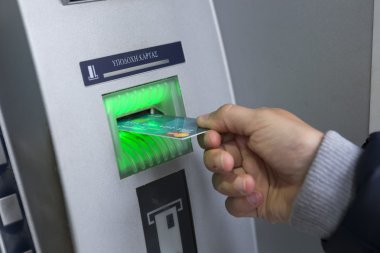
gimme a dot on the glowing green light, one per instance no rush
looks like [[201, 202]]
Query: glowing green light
[[135, 152]]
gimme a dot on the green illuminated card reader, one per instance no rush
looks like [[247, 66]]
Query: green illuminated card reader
[[136, 152]]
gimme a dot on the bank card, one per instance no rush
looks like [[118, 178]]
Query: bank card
[[180, 128]]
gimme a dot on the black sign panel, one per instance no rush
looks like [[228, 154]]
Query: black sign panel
[[166, 215], [126, 64]]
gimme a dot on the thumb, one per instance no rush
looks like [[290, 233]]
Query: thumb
[[229, 119]]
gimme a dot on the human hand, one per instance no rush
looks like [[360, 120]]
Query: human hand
[[259, 157]]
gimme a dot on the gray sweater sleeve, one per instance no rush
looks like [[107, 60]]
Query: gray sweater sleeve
[[328, 187]]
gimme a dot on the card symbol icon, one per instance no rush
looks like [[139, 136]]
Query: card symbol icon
[[92, 73]]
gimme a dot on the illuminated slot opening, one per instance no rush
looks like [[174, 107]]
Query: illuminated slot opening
[[136, 152], [140, 113]]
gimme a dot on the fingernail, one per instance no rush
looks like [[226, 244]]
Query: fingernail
[[241, 186], [254, 199], [203, 117]]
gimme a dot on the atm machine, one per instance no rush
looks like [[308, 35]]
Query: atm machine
[[69, 180]]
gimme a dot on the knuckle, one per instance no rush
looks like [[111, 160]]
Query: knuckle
[[234, 213], [201, 142], [206, 159], [267, 110], [215, 182], [231, 208], [225, 108], [210, 159], [280, 111]]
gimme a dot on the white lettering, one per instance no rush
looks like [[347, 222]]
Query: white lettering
[[135, 58]]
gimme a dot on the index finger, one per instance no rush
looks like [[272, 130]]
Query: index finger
[[229, 119]]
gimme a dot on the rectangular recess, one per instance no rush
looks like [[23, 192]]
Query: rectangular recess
[[136, 152], [162, 198]]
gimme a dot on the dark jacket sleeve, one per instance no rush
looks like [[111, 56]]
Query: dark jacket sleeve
[[359, 231]]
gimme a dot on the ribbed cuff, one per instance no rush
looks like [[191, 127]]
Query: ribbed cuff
[[328, 187]]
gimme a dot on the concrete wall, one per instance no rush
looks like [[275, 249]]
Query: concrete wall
[[312, 57]]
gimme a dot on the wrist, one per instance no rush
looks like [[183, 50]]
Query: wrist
[[327, 188]]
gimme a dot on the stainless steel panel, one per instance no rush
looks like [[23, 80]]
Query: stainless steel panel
[[102, 210]]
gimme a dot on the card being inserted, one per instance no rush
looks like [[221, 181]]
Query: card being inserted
[[180, 128]]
